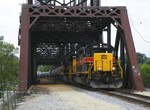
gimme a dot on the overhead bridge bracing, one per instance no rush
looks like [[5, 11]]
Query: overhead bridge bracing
[[50, 34]]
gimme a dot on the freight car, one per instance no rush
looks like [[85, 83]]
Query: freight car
[[95, 65]]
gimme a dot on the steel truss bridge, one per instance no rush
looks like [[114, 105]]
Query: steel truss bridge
[[52, 31]]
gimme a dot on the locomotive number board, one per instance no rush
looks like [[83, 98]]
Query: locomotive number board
[[104, 57]]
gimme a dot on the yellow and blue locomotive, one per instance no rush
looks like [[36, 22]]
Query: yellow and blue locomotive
[[96, 65]]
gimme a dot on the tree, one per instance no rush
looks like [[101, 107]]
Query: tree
[[145, 69], [147, 61], [9, 62], [141, 57], [145, 72]]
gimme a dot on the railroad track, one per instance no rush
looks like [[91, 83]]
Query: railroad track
[[122, 94], [129, 96]]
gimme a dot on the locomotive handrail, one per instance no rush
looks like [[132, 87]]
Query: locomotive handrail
[[121, 70], [89, 70]]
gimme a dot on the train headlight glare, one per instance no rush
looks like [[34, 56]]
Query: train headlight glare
[[113, 68], [99, 68]]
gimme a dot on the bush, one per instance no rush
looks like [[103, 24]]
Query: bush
[[9, 62], [145, 71]]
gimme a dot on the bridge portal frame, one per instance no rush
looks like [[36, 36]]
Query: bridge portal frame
[[31, 14]]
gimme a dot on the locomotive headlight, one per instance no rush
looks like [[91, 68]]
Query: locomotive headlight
[[113, 68], [99, 68]]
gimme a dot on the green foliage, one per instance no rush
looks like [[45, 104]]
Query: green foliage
[[9, 62], [144, 63], [141, 57], [147, 61], [145, 71]]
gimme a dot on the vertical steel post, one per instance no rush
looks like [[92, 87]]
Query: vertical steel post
[[122, 57], [34, 66], [100, 37], [30, 1], [109, 34], [24, 49], [95, 2], [117, 43]]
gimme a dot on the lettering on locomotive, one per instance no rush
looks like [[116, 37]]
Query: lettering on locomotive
[[104, 57]]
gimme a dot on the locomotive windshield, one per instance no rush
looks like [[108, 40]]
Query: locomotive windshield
[[92, 48], [96, 48]]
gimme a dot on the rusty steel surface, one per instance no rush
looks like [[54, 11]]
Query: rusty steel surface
[[51, 34], [30, 1], [66, 2], [131, 53], [24, 51], [76, 11]]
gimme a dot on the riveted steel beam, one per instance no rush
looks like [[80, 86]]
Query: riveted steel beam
[[135, 75], [24, 50]]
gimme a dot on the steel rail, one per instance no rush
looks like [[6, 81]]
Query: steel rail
[[134, 94], [125, 95], [129, 97]]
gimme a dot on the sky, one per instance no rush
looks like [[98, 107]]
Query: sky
[[138, 12]]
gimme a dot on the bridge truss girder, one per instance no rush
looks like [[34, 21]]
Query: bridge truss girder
[[51, 34]]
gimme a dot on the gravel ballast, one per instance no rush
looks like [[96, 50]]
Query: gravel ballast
[[65, 97]]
